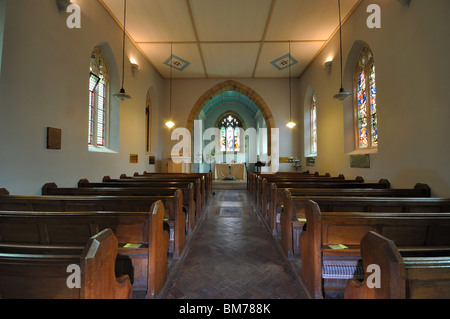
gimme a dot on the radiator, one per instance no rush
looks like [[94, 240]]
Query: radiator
[[342, 269]]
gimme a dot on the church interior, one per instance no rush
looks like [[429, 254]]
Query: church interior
[[236, 124]]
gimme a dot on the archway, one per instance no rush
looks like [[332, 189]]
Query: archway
[[231, 85]]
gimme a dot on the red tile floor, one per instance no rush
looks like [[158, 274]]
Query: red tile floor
[[231, 255]]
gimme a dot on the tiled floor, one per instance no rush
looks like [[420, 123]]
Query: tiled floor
[[232, 256]]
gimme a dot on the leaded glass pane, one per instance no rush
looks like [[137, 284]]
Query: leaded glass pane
[[230, 139], [223, 139], [366, 101], [373, 106], [237, 139], [314, 126], [98, 83]]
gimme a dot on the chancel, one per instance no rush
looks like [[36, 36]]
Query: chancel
[[272, 149]]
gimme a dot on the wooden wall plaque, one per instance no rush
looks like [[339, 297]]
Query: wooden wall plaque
[[53, 138]]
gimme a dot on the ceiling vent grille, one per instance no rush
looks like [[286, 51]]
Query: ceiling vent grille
[[284, 62], [177, 63]]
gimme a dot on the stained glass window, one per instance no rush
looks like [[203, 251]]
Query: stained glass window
[[230, 134], [314, 126], [98, 89], [366, 101]]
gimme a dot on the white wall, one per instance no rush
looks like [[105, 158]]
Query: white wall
[[44, 83], [410, 52]]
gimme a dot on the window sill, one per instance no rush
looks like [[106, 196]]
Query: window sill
[[100, 150], [364, 151]]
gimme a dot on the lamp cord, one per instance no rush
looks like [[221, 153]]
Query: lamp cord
[[290, 89], [170, 89], [123, 42], [340, 36]]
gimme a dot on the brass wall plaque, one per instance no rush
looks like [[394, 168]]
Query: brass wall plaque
[[133, 158]]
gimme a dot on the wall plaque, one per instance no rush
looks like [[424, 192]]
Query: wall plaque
[[360, 161], [53, 138]]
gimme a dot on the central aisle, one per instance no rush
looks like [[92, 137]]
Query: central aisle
[[232, 256]]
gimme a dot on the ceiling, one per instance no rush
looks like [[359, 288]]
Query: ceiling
[[230, 38]]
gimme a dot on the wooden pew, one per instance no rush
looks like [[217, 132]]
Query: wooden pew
[[116, 199], [191, 204], [207, 177], [293, 215], [199, 185], [253, 176], [325, 270], [266, 193], [136, 220], [275, 200], [256, 187], [401, 276], [36, 274]]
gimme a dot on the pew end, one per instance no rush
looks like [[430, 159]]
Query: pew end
[[36, 274], [378, 250], [47, 186]]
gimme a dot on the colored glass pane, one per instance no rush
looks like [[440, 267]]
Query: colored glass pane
[[366, 101], [237, 139], [362, 109], [230, 139], [314, 126], [373, 105], [223, 139]]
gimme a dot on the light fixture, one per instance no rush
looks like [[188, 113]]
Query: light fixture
[[342, 95], [63, 4], [327, 66], [122, 95], [134, 64], [290, 124], [170, 124]]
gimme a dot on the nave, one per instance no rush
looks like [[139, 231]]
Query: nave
[[232, 256]]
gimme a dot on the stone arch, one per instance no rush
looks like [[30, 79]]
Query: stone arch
[[240, 88]]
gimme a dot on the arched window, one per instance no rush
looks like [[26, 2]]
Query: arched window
[[230, 134], [366, 101], [314, 125], [98, 100]]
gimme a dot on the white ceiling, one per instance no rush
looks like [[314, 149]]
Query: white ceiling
[[230, 38]]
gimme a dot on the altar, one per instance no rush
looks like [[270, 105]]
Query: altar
[[223, 170]]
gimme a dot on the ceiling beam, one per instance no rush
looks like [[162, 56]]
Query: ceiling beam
[[194, 28], [269, 17]]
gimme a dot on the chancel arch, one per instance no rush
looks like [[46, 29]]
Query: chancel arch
[[228, 97]]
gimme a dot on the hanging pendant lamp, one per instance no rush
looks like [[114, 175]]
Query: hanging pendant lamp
[[170, 124], [290, 124], [122, 95], [343, 94]]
